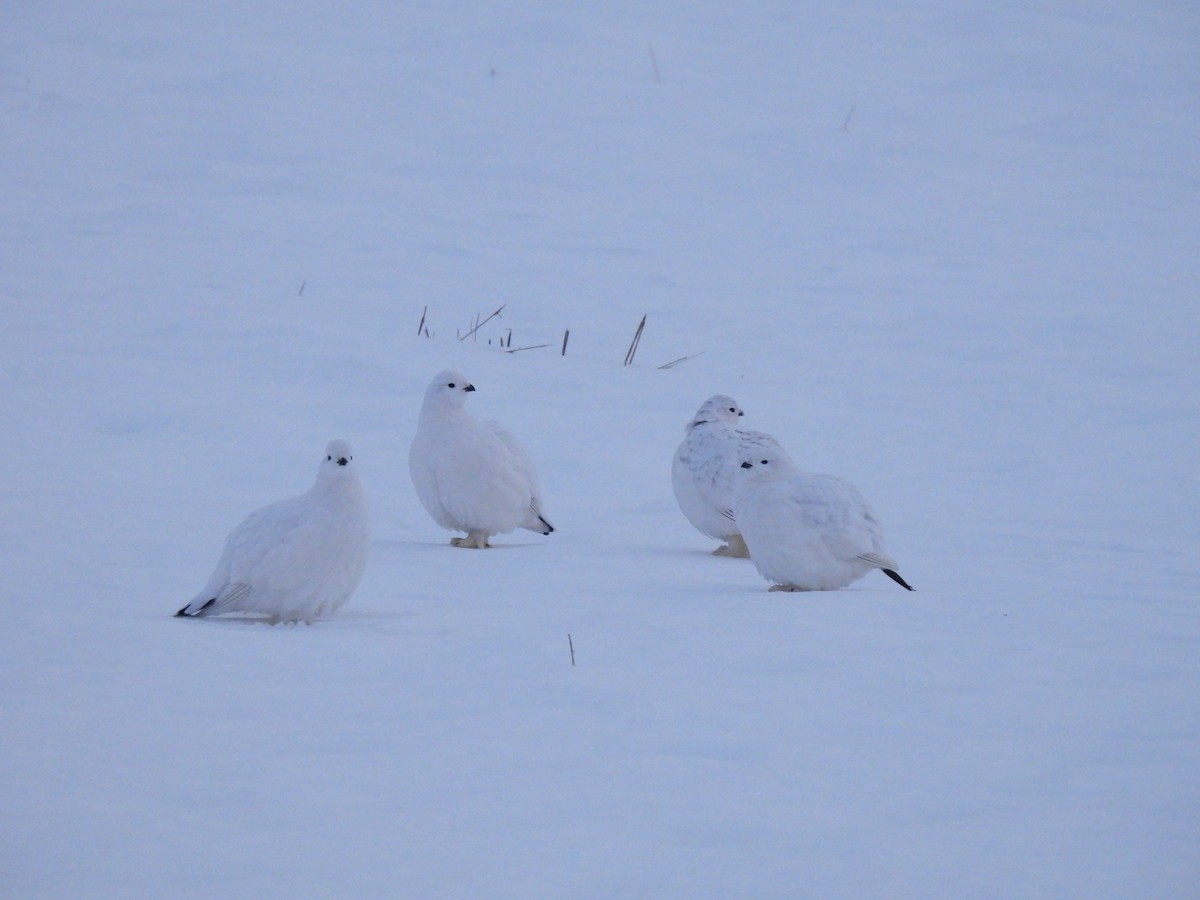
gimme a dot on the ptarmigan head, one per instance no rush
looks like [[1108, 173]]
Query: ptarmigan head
[[448, 389], [718, 408], [767, 464], [338, 461]]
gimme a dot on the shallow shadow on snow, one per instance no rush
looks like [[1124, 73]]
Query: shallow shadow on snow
[[438, 545]]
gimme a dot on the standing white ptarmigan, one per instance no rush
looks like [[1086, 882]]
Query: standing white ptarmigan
[[471, 474], [705, 471], [807, 532], [298, 559]]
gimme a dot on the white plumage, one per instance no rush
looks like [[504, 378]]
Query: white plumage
[[705, 471], [298, 559], [471, 474], [807, 532]]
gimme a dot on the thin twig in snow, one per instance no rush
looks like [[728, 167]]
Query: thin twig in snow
[[421, 324], [566, 335], [571, 644], [637, 336], [654, 63], [530, 347], [479, 324], [681, 359], [849, 116]]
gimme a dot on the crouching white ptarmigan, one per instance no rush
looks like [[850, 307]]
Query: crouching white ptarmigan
[[299, 559], [471, 474], [705, 471], [807, 532]]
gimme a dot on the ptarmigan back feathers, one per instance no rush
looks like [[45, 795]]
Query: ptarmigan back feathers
[[705, 474], [298, 559], [807, 531], [472, 474]]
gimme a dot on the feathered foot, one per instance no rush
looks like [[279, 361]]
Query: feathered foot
[[735, 549], [790, 588], [475, 540]]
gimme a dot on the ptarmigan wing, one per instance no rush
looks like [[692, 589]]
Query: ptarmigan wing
[[262, 553], [834, 509], [518, 472]]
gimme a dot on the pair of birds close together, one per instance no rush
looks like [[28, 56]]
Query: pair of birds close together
[[803, 531], [302, 558]]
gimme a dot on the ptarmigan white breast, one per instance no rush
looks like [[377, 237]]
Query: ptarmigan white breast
[[807, 532], [299, 559], [705, 471], [471, 474]]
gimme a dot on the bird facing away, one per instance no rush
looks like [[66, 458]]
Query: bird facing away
[[299, 559], [807, 532], [705, 471], [471, 474]]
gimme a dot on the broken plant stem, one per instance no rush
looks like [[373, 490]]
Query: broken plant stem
[[637, 336], [681, 359], [530, 347], [479, 324]]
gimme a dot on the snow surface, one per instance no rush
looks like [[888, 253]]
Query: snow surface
[[947, 250]]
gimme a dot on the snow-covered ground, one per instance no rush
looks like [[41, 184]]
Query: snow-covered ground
[[947, 250]]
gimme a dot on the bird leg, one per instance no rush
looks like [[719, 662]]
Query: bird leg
[[475, 540], [736, 548]]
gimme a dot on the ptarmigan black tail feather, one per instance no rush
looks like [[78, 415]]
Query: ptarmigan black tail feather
[[187, 615], [895, 576]]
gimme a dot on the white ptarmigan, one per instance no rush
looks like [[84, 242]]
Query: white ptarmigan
[[807, 532], [299, 559], [471, 474], [705, 470]]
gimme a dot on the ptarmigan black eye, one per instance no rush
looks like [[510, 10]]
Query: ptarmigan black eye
[[733, 409], [765, 461], [451, 384], [329, 457]]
